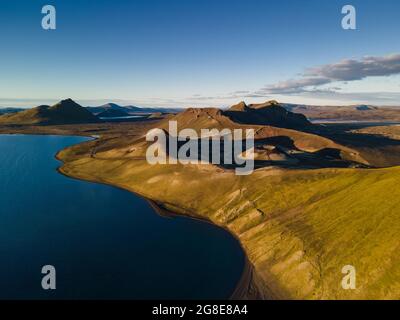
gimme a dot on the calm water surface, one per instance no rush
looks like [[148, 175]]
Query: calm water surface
[[104, 242]]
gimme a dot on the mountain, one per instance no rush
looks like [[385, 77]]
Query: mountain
[[274, 128], [365, 113], [110, 113], [114, 107], [200, 118], [269, 113], [132, 110], [10, 110], [64, 112]]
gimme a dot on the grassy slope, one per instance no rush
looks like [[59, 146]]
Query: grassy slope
[[299, 228], [64, 112]]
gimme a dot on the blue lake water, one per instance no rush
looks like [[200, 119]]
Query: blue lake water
[[105, 243]]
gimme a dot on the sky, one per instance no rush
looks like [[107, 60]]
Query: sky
[[181, 53]]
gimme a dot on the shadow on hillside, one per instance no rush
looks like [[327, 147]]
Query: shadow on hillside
[[278, 151], [342, 134]]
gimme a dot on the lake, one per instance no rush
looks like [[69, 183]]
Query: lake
[[105, 243]]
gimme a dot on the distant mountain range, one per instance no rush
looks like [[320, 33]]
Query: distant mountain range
[[130, 110], [272, 113], [69, 112], [366, 113], [4, 110], [64, 112], [110, 113]]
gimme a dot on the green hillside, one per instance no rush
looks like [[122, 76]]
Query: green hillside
[[298, 227], [65, 112]]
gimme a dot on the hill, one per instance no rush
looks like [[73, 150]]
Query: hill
[[360, 113], [132, 110], [64, 112], [269, 113], [110, 113], [298, 146], [4, 110], [200, 118]]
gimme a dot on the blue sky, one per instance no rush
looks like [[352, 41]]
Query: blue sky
[[199, 53]]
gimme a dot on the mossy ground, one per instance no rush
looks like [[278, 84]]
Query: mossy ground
[[298, 227]]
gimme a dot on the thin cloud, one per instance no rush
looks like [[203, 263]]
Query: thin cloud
[[293, 86], [342, 71], [240, 92], [350, 70]]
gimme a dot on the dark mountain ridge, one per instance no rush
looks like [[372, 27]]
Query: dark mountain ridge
[[269, 113], [110, 113], [130, 110], [6, 110]]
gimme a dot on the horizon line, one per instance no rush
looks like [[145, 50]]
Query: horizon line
[[127, 103]]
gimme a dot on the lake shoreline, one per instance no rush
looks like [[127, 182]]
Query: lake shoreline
[[151, 209], [245, 284], [249, 286], [246, 288]]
